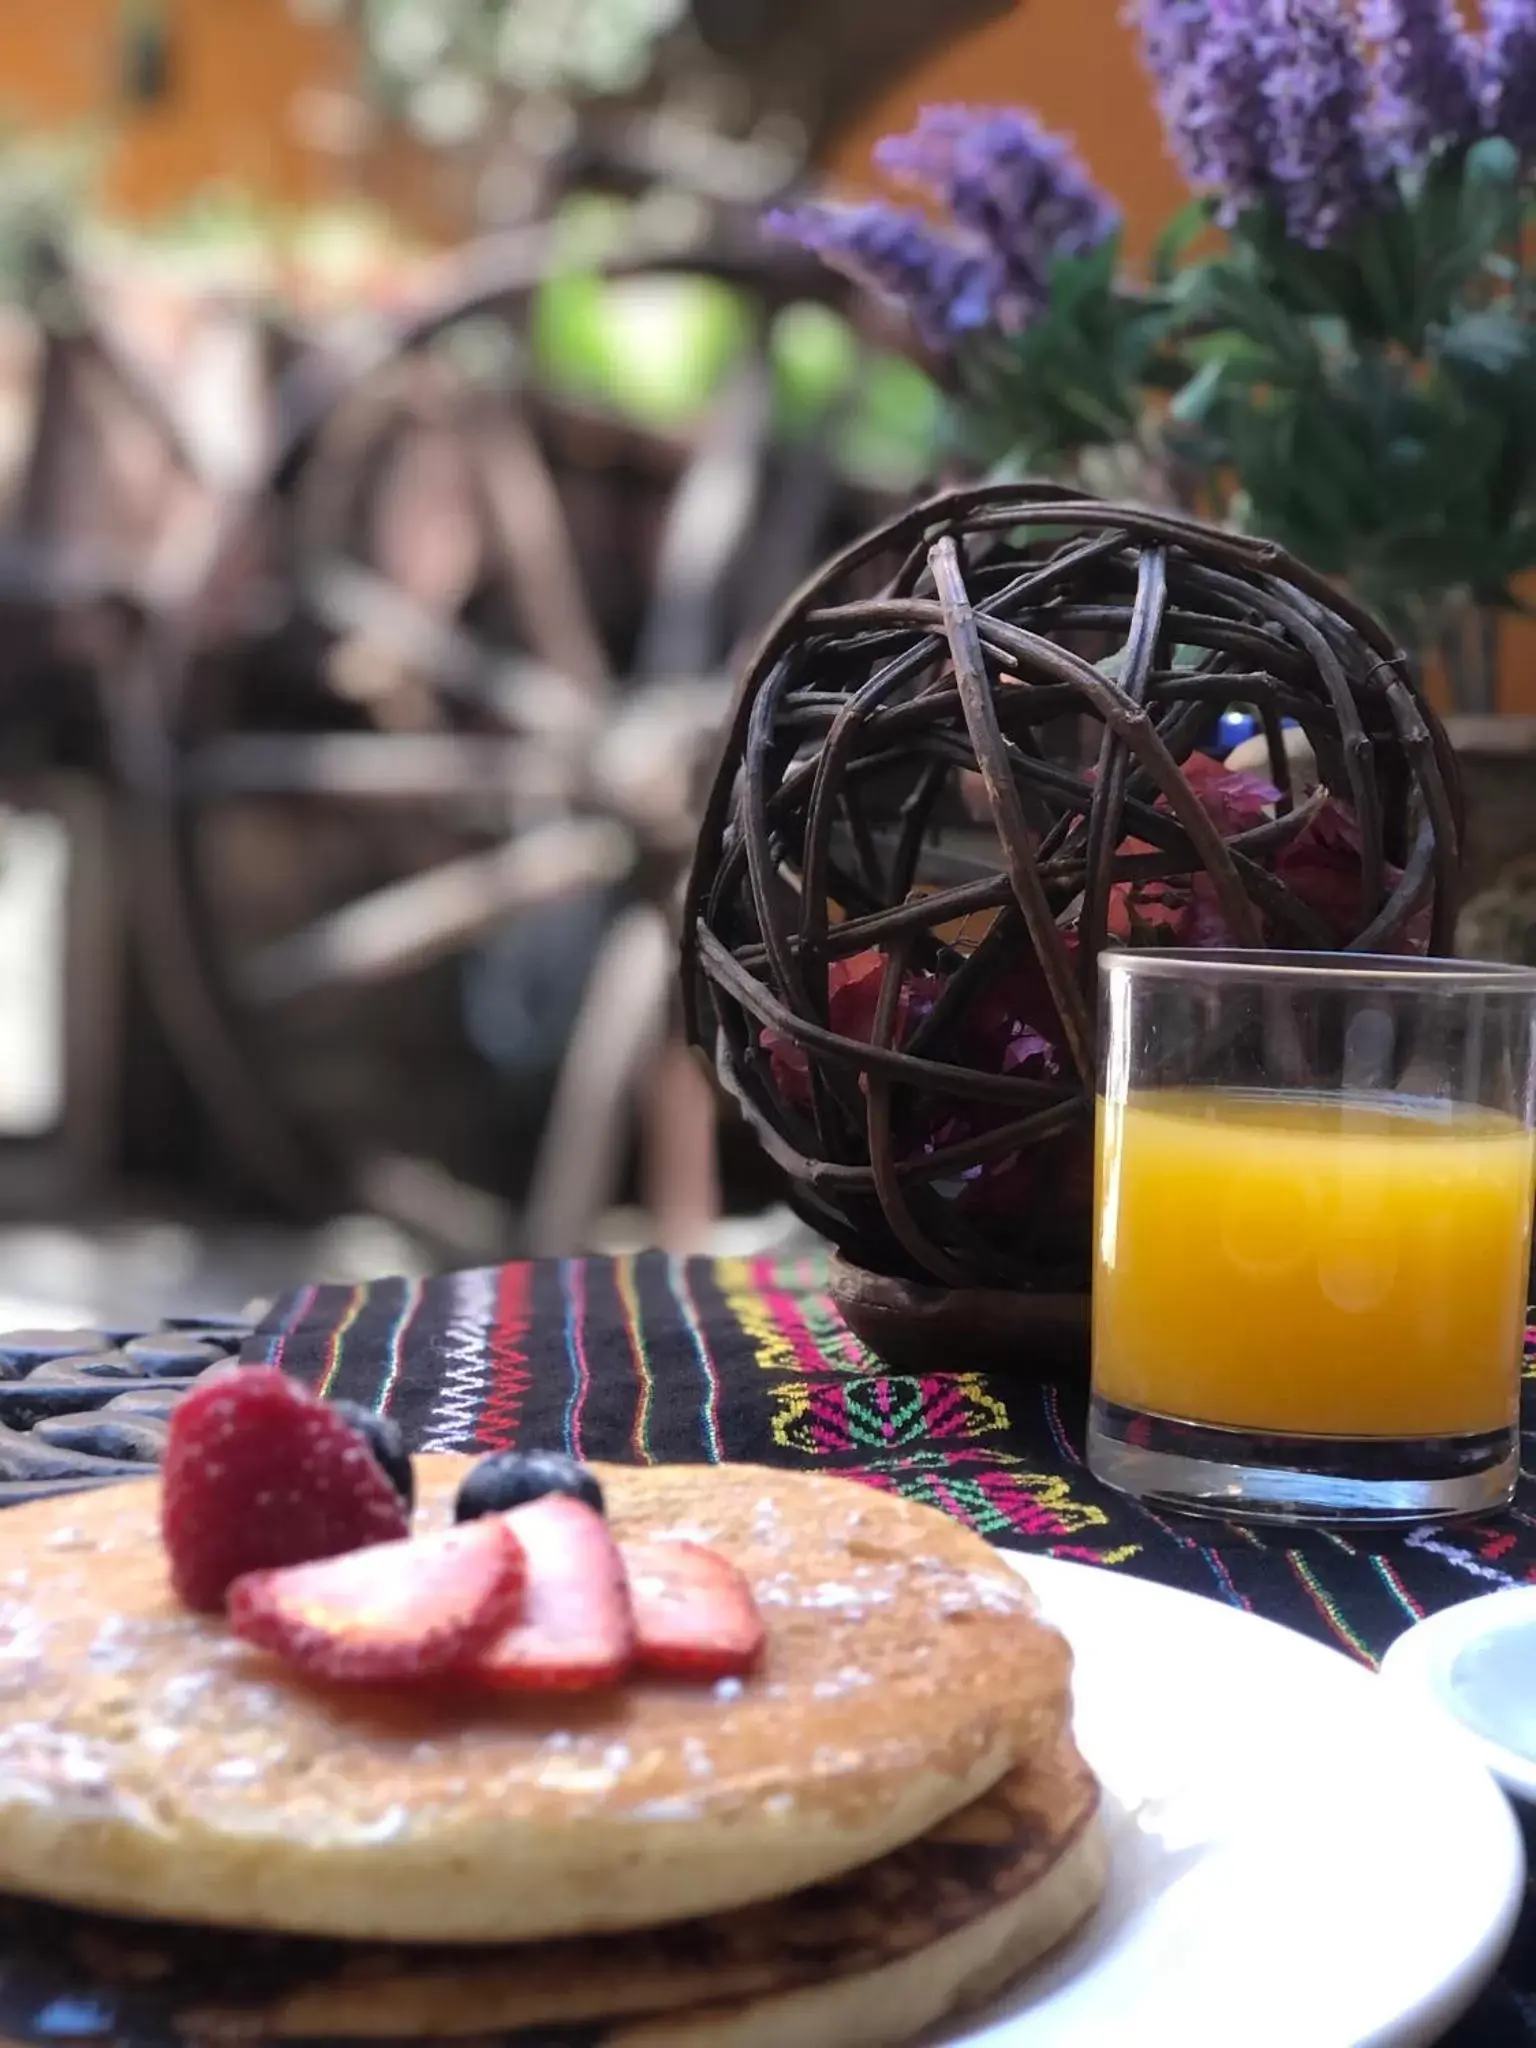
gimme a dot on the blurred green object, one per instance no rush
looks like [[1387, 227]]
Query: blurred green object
[[815, 358], [889, 418], [46, 184], [654, 349], [894, 435]]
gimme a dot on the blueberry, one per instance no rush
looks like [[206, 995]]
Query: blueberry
[[509, 1479], [387, 1445]]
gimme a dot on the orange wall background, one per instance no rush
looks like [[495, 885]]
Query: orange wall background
[[250, 86], [250, 82], [247, 71], [237, 69]]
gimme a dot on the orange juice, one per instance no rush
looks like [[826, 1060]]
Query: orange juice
[[1327, 1265]]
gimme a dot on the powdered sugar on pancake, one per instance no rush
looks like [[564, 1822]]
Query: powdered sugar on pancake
[[151, 1763]]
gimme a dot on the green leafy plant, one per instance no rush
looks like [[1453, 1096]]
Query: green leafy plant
[[1347, 363]]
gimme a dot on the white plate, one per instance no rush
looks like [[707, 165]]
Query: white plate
[[1477, 1663], [1303, 1857]]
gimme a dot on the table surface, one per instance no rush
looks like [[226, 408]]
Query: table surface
[[653, 1359], [649, 1359]]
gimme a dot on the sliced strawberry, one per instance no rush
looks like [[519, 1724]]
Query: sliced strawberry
[[694, 1612], [576, 1631], [394, 1611], [259, 1474]]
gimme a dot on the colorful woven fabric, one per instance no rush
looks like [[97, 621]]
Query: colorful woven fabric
[[650, 1359]]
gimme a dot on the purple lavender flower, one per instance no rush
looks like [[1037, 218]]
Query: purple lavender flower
[[946, 287], [1509, 71], [1207, 58], [1020, 193], [1326, 164], [1425, 76], [1171, 34]]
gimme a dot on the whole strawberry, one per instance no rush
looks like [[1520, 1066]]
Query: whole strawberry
[[259, 1474]]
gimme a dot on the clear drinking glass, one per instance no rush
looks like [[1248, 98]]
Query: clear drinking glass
[[1313, 1232]]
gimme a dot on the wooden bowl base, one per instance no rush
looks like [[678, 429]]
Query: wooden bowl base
[[919, 1328]]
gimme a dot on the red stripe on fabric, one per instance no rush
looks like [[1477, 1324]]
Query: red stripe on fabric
[[509, 1378], [792, 1325]]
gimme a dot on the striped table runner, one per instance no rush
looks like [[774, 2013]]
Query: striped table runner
[[651, 1359]]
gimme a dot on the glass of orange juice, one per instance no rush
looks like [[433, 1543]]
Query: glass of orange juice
[[1313, 1232]]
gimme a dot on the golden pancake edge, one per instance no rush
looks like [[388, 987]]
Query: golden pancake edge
[[151, 1765], [983, 1894]]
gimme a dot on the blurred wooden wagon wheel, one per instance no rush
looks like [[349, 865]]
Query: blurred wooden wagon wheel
[[365, 744]]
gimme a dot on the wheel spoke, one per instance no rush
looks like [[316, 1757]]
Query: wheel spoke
[[384, 767], [409, 924], [352, 600], [534, 539], [622, 1022]]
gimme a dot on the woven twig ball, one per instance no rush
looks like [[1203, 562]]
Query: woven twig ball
[[960, 764]]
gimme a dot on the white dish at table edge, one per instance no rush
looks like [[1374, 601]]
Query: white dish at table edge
[[1476, 1663], [1301, 1855]]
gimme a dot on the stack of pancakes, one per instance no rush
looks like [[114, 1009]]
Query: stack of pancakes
[[886, 1823]]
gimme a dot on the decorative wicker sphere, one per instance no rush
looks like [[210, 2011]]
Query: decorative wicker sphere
[[960, 764]]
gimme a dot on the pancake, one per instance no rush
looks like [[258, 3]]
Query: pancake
[[998, 1883], [900, 2001], [894, 2003], [153, 1766]]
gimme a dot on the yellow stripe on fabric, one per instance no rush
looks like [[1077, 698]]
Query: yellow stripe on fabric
[[772, 1348], [1328, 1607], [358, 1296], [634, 1329]]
